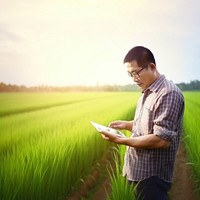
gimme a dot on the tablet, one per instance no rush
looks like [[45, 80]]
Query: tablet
[[112, 131]]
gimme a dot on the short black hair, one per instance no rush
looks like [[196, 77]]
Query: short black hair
[[140, 54]]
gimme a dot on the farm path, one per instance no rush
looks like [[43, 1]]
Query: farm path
[[183, 187]]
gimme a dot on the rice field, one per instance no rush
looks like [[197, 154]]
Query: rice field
[[47, 144], [192, 133]]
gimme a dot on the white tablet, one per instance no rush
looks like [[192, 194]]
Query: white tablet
[[112, 131]]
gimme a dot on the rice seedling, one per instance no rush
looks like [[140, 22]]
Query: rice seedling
[[192, 133], [121, 188], [46, 153]]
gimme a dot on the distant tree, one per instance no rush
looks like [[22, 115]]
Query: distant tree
[[193, 85], [3, 87]]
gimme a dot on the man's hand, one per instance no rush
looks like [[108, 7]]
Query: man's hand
[[110, 137], [120, 124]]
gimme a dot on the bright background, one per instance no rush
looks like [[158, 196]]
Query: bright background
[[73, 42]]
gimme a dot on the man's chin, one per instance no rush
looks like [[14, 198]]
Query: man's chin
[[140, 86]]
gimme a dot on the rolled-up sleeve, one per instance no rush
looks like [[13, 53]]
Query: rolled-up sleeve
[[167, 115], [165, 134]]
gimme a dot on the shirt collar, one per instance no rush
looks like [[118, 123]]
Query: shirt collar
[[154, 87]]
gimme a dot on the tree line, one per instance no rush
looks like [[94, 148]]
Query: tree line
[[192, 86]]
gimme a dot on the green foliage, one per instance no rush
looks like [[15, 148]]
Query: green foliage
[[192, 133], [193, 85], [121, 189], [46, 152], [46, 141]]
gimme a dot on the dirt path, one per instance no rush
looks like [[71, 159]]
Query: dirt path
[[97, 184], [182, 189]]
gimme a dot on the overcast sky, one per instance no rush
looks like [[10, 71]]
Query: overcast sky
[[73, 42]]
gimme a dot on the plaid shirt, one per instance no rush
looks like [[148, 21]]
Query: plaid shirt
[[159, 111]]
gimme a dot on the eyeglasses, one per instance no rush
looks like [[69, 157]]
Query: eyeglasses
[[136, 74]]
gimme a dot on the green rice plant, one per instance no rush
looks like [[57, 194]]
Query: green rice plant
[[46, 154], [192, 133], [121, 189], [32, 124]]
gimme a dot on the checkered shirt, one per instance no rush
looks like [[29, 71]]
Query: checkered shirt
[[160, 112]]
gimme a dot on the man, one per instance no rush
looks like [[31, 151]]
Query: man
[[156, 128]]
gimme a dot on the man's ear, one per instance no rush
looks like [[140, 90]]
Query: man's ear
[[152, 67]]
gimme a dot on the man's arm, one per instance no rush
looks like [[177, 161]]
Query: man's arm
[[149, 141]]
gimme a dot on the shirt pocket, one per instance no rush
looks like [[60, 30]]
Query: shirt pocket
[[146, 119]]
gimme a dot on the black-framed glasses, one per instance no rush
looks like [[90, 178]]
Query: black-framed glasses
[[136, 74]]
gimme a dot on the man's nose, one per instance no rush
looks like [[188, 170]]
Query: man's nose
[[135, 79]]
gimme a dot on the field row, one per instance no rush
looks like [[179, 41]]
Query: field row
[[48, 146], [14, 103], [192, 133], [46, 153]]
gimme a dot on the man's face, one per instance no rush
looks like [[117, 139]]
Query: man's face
[[143, 76]]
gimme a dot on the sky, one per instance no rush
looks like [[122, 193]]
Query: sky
[[83, 42]]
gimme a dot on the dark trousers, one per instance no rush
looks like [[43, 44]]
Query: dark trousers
[[152, 188]]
